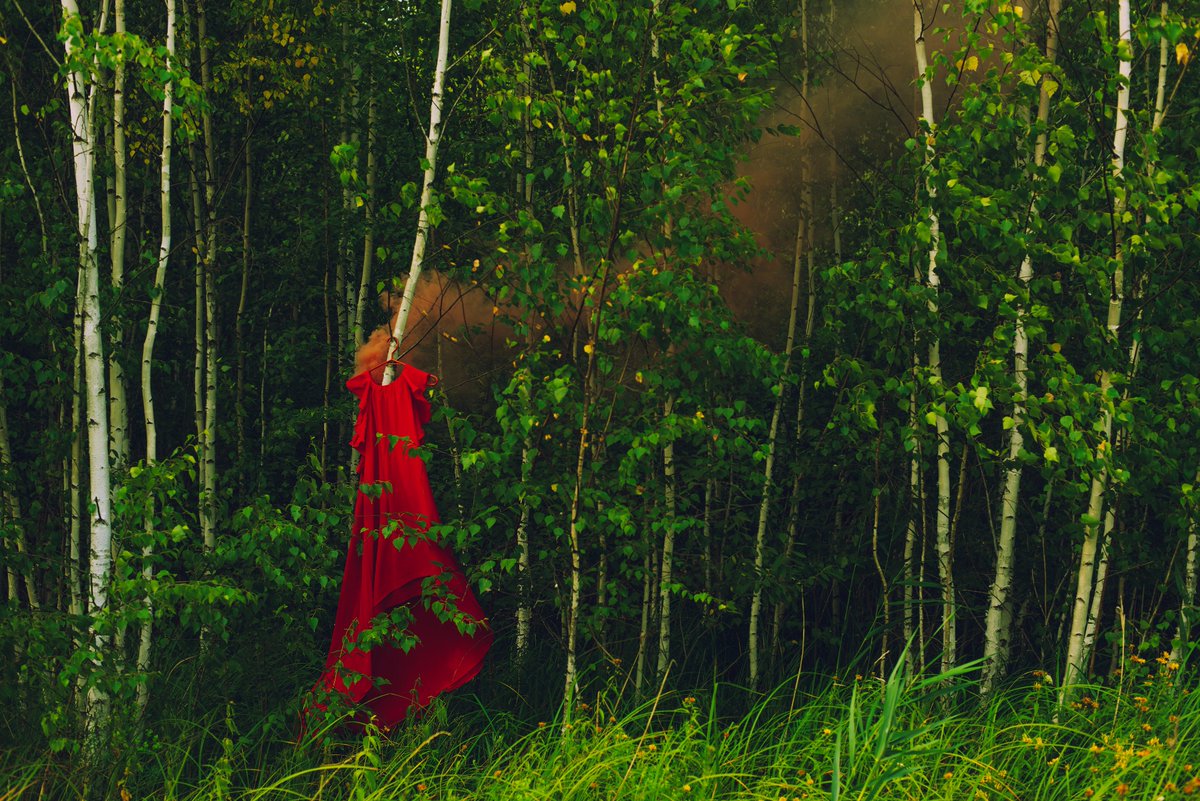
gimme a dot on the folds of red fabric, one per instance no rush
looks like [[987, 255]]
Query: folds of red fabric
[[408, 626]]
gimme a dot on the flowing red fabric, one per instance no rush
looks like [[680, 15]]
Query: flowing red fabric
[[391, 562]]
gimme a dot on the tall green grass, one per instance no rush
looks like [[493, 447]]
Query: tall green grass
[[857, 737]]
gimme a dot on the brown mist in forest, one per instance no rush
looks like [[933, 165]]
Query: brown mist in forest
[[862, 105]]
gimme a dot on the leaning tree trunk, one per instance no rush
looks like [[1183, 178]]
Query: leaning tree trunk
[[156, 298], [764, 504], [1077, 655], [997, 627], [99, 493], [942, 528], [432, 139]]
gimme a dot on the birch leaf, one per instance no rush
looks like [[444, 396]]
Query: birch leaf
[[567, 7], [1182, 54]]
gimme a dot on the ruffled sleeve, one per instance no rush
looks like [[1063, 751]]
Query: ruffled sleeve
[[420, 381]]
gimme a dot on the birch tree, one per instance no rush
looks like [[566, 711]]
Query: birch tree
[[156, 300], [208, 492], [1077, 653], [119, 224], [998, 625], [433, 137], [83, 157], [927, 136], [764, 503]]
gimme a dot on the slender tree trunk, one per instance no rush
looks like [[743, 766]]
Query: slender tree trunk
[[1191, 569], [100, 500], [1093, 619], [239, 333], [914, 640], [117, 398], [208, 501], [156, 298], [198, 318], [1077, 654], [801, 388], [524, 587], [996, 627], [432, 140], [368, 260], [74, 478], [340, 281], [944, 551], [668, 546], [639, 668], [764, 506], [524, 584]]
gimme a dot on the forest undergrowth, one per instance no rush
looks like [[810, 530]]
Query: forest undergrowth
[[856, 736]]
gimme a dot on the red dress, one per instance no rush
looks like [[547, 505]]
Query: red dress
[[391, 564]]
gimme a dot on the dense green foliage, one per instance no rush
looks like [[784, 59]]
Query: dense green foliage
[[607, 302]]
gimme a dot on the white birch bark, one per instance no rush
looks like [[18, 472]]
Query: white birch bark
[[764, 505], [1093, 617], [208, 497], [942, 527], [639, 667], [1187, 614], [433, 138], [997, 629], [156, 297], [525, 588], [84, 159], [1077, 655], [75, 462], [117, 398], [198, 308], [668, 548]]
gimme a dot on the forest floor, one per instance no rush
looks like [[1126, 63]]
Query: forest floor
[[861, 737]]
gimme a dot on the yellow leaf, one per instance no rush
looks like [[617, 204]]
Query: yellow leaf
[[358, 201], [586, 138], [1182, 54], [741, 76], [972, 63], [567, 7], [1056, 347], [589, 348], [1019, 11]]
